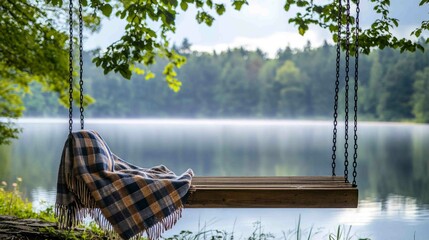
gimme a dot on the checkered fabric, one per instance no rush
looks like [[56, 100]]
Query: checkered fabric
[[119, 196]]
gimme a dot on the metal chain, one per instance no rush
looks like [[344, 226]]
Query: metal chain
[[70, 66], [337, 84], [356, 87], [346, 95], [81, 64]]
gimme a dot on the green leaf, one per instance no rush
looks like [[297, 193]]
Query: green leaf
[[149, 76], [173, 3], [335, 37], [395, 21], [173, 83], [124, 70], [220, 9], [423, 2], [125, 73], [418, 32], [301, 3], [168, 17], [204, 17], [199, 3], [136, 70], [150, 32], [208, 19], [209, 3], [199, 17], [238, 4], [286, 7], [184, 6], [301, 30], [106, 9]]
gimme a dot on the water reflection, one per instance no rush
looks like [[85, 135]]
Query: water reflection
[[394, 207], [393, 170]]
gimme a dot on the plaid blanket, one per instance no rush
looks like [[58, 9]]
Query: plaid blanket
[[119, 196]]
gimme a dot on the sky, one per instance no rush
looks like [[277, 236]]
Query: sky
[[262, 24]]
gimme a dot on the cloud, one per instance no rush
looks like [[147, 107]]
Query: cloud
[[111, 31], [269, 44], [257, 9]]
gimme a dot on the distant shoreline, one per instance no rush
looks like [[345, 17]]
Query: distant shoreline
[[204, 121]]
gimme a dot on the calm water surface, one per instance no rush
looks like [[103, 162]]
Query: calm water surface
[[393, 170]]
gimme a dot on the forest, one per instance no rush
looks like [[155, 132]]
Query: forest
[[238, 83]]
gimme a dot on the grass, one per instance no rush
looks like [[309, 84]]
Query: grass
[[298, 233], [13, 204]]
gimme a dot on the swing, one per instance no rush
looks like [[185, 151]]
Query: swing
[[274, 192], [294, 192]]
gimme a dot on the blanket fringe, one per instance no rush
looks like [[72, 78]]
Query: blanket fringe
[[164, 224], [72, 215], [78, 187]]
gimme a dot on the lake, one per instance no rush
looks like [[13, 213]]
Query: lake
[[393, 168]]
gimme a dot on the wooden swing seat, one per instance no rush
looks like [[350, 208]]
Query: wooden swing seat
[[272, 192]]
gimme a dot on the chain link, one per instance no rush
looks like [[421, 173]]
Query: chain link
[[346, 94], [356, 87], [81, 64], [337, 84], [70, 66]]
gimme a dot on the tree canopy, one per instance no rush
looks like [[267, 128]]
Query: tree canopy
[[240, 83], [33, 40]]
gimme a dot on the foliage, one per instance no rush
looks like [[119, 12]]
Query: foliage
[[258, 233], [420, 96], [145, 37], [342, 233], [92, 232], [299, 233], [379, 35], [8, 131], [245, 84], [204, 234], [292, 85], [12, 203], [33, 48]]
